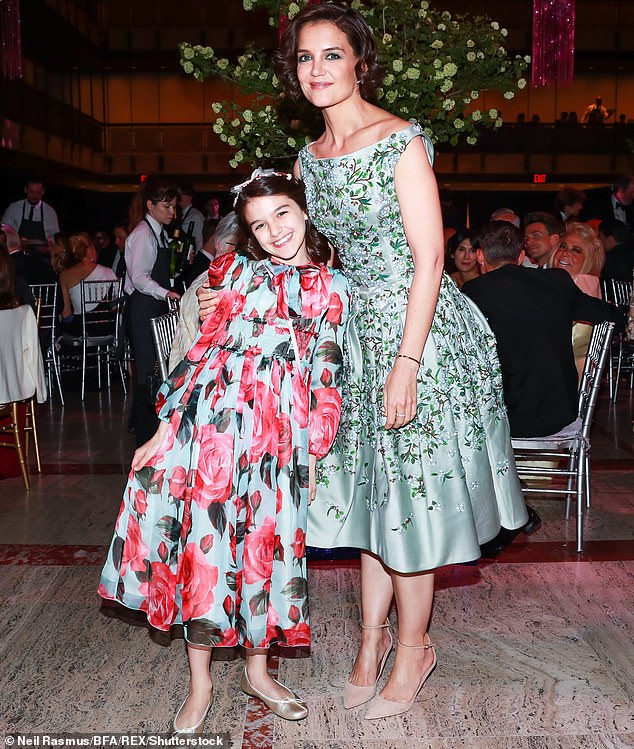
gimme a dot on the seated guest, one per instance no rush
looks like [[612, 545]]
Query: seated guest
[[531, 313], [542, 232], [225, 239], [60, 253], [569, 203], [106, 248], [618, 243], [34, 268], [615, 203], [14, 290], [581, 254], [461, 251], [506, 214], [120, 234], [84, 268]]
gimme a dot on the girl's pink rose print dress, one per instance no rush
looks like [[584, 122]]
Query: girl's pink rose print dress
[[211, 532]]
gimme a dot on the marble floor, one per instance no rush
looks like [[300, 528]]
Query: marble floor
[[535, 648]]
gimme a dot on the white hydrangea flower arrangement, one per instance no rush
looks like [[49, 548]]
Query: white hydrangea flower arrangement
[[436, 67]]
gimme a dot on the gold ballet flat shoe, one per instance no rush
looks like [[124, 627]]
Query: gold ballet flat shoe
[[379, 707], [354, 695], [195, 730], [289, 708]]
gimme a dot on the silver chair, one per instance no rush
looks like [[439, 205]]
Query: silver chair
[[163, 331], [574, 449], [101, 312], [621, 357], [47, 293]]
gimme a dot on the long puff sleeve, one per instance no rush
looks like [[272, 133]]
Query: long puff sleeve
[[175, 393], [327, 370]]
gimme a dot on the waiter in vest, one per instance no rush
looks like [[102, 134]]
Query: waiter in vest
[[147, 287], [34, 220]]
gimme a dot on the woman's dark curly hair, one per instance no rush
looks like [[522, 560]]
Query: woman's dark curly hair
[[8, 297], [317, 246], [359, 34]]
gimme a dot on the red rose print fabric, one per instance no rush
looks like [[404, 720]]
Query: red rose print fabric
[[212, 533]]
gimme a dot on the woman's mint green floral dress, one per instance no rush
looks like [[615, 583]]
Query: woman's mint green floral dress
[[429, 493]]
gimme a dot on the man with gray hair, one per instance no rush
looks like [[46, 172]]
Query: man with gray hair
[[223, 240], [531, 313], [506, 214]]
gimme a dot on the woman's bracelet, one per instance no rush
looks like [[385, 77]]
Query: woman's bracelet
[[405, 356]]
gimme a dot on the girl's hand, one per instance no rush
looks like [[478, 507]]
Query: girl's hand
[[312, 477], [143, 454], [399, 394], [207, 300]]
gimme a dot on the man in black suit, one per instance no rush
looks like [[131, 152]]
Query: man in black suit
[[33, 268], [531, 313], [202, 259], [617, 204], [618, 243]]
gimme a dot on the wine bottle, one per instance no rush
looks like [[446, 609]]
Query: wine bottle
[[176, 259], [191, 243]]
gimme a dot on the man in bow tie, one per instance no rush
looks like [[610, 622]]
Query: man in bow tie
[[617, 204]]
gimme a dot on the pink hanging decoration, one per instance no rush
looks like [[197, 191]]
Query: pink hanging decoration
[[553, 42], [10, 40]]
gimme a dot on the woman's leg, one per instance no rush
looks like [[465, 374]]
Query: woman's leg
[[376, 598], [257, 672], [200, 687], [414, 598]]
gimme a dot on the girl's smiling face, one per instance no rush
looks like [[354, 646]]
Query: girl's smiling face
[[279, 226]]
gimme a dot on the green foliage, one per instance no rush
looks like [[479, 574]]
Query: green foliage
[[436, 68]]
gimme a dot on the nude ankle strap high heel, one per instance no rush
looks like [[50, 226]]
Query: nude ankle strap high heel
[[354, 695], [382, 708]]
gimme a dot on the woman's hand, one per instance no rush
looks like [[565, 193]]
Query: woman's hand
[[207, 300], [143, 454], [172, 295], [312, 477], [399, 394]]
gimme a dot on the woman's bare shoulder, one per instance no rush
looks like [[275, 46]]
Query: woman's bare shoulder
[[388, 125], [376, 126]]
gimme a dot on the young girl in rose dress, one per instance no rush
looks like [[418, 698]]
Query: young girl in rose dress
[[211, 531]]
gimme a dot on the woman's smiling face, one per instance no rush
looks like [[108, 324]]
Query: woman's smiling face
[[326, 65], [571, 253], [465, 256]]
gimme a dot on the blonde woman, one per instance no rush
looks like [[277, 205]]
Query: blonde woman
[[83, 255], [581, 254]]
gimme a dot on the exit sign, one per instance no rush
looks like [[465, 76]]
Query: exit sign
[[539, 179]]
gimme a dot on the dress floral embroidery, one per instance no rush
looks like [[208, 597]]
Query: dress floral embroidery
[[426, 494], [211, 533]]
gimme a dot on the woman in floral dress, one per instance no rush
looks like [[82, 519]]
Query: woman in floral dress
[[211, 532], [422, 472]]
